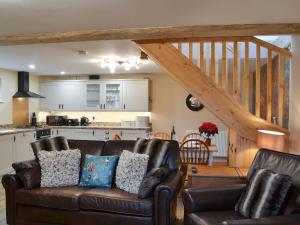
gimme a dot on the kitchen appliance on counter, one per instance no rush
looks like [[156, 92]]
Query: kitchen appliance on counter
[[43, 133], [72, 122], [57, 120], [84, 121], [142, 121]]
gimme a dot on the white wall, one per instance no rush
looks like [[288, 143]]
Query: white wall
[[9, 88], [294, 97]]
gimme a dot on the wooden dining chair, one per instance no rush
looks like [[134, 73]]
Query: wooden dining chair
[[116, 137], [194, 151], [162, 135], [191, 136]]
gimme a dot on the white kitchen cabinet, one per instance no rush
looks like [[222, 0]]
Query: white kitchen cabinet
[[61, 96], [133, 134], [23, 148], [88, 134], [112, 97], [62, 132], [7, 153], [104, 95], [136, 95]]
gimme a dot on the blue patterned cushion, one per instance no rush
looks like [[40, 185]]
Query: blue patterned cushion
[[98, 171]]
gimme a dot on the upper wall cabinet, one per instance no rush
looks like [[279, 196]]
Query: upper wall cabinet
[[104, 95], [61, 96]]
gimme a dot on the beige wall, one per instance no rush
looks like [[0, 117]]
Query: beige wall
[[167, 106], [294, 97], [9, 88]]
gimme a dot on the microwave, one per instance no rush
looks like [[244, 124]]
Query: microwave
[[56, 120]]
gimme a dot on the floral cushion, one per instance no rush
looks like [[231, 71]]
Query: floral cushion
[[98, 171], [131, 170], [59, 168]]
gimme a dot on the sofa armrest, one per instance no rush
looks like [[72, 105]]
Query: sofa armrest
[[292, 219], [29, 172], [11, 183], [212, 199], [165, 198]]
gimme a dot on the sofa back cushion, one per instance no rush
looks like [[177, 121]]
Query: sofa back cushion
[[50, 144], [282, 163]]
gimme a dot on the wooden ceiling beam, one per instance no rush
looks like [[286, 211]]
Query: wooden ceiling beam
[[154, 33]]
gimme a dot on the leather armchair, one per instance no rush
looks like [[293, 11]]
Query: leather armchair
[[215, 206]]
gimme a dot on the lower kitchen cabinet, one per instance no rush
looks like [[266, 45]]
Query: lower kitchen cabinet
[[7, 152], [133, 134], [62, 132], [15, 148], [23, 148]]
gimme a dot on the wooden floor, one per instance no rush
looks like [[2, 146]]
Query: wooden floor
[[3, 217]]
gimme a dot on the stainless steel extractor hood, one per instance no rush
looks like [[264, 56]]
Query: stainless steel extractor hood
[[23, 87]]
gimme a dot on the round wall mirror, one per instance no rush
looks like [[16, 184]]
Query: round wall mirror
[[193, 103]]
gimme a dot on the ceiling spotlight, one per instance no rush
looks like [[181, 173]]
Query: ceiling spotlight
[[31, 66], [82, 52], [62, 72]]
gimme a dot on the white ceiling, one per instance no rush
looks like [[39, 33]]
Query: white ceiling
[[32, 16], [51, 59]]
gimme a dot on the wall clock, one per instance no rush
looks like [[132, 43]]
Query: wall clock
[[193, 103]]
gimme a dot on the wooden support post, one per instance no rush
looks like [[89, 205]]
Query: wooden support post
[[246, 78], [212, 72], [257, 82], [281, 88], [269, 86], [235, 71], [191, 51], [224, 66], [201, 58]]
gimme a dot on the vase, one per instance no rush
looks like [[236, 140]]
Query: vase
[[208, 141]]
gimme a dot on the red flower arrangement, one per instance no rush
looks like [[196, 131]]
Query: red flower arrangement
[[208, 129]]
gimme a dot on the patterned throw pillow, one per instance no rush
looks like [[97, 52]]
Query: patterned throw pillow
[[59, 168], [131, 170], [264, 195], [98, 171]]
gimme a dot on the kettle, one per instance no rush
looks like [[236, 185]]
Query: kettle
[[84, 121]]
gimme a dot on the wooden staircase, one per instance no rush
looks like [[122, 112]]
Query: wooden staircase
[[225, 74]]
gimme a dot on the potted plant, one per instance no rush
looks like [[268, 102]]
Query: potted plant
[[208, 130]]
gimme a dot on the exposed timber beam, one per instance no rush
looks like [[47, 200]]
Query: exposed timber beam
[[154, 33], [218, 102]]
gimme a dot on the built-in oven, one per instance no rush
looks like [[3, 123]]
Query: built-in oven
[[43, 133]]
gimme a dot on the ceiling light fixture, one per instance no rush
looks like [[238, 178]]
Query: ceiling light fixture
[[62, 72], [31, 66], [271, 132], [127, 63]]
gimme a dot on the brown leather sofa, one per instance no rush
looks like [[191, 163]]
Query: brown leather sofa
[[81, 205], [215, 206]]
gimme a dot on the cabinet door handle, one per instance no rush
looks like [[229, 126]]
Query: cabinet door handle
[[121, 133], [62, 106], [103, 106], [14, 138], [57, 132], [34, 135], [59, 106], [93, 133], [100, 106], [124, 106]]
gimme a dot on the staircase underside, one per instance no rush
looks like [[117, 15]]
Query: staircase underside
[[217, 100]]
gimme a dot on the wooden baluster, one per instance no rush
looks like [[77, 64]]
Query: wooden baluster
[[269, 86], [201, 58], [224, 66], [280, 89], [212, 72], [246, 78], [180, 47], [191, 51], [257, 82], [235, 71]]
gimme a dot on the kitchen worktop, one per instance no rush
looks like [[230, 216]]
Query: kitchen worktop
[[11, 131]]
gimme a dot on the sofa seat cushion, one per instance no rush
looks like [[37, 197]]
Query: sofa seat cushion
[[66, 198], [116, 201], [212, 217]]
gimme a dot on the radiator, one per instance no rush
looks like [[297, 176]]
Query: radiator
[[221, 141]]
